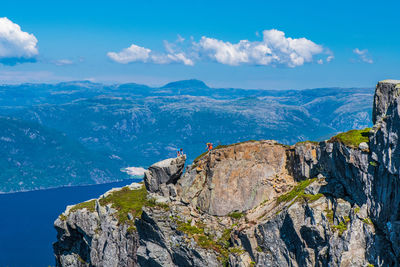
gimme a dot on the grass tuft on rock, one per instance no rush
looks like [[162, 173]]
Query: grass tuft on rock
[[236, 215], [89, 205], [352, 138], [367, 221], [126, 201], [341, 227], [297, 191]]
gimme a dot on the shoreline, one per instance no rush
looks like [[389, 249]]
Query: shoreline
[[69, 186]]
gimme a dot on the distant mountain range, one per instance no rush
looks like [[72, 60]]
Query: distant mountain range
[[82, 133]]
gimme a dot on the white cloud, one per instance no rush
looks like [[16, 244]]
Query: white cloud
[[16, 45], [275, 48], [363, 55], [136, 53], [180, 39], [63, 62]]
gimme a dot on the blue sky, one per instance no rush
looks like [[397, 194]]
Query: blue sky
[[346, 44]]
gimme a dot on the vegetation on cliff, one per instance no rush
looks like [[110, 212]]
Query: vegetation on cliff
[[297, 193], [128, 203], [352, 138], [89, 205]]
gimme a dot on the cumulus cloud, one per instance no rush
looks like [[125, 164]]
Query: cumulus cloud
[[274, 49], [16, 46], [136, 53], [363, 55]]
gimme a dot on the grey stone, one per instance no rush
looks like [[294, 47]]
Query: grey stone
[[162, 173], [363, 146]]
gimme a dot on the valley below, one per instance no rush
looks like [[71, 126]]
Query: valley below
[[81, 133]]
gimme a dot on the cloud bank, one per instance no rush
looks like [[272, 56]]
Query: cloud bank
[[363, 55], [136, 53], [16, 46], [274, 49]]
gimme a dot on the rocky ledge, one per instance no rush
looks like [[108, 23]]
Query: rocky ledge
[[257, 203]]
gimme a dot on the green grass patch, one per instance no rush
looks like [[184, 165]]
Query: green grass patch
[[81, 260], [357, 210], [89, 205], [236, 250], [62, 217], [236, 215], [310, 198], [329, 215], [367, 221], [373, 163], [259, 249], [127, 201], [341, 227], [189, 229], [352, 138], [295, 192]]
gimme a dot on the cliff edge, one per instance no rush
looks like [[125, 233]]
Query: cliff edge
[[256, 203]]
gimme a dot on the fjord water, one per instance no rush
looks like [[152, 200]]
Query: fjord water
[[26, 224]]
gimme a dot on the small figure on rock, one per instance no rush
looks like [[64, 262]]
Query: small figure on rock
[[209, 146], [181, 152]]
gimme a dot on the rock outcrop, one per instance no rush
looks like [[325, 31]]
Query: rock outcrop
[[161, 176], [257, 203]]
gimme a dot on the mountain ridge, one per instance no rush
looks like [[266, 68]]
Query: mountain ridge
[[139, 124]]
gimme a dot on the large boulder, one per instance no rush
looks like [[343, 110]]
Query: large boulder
[[237, 177], [164, 173]]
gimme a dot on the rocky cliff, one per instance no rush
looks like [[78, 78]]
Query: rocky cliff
[[257, 203]]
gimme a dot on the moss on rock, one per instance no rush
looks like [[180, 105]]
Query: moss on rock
[[352, 138]]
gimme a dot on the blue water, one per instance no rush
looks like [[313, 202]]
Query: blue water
[[26, 222]]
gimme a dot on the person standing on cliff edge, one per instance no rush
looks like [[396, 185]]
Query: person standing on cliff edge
[[209, 146]]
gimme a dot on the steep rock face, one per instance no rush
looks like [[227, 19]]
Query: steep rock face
[[163, 244], [257, 204], [304, 235], [237, 178], [92, 236], [385, 150], [241, 176]]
